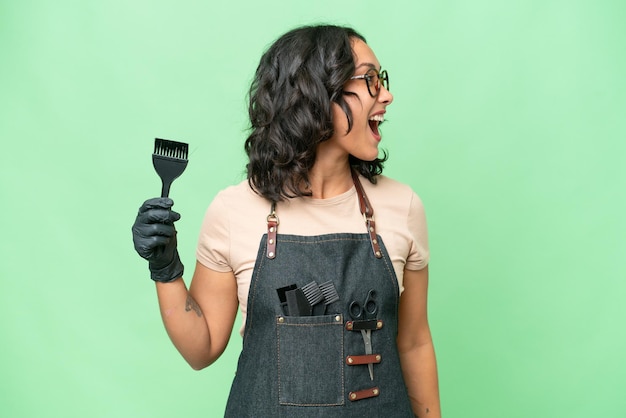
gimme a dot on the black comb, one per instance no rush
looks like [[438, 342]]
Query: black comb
[[330, 293], [169, 160]]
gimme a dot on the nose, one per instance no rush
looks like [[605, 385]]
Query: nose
[[384, 96]]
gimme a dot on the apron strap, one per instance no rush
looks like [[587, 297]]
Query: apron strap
[[272, 226], [364, 205], [368, 214]]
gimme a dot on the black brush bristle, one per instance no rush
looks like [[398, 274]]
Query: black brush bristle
[[171, 149]]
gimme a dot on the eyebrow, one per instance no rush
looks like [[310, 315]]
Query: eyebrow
[[367, 64]]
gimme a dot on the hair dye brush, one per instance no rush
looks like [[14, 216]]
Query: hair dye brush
[[169, 160]]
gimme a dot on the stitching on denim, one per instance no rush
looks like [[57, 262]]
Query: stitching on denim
[[250, 306], [278, 359], [343, 366], [310, 404], [392, 274], [311, 325], [324, 240]]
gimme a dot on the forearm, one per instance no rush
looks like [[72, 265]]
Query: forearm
[[185, 324], [419, 368], [185, 312]]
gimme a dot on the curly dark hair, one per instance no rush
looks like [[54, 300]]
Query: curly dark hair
[[297, 79]]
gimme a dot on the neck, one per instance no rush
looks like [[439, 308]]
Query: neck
[[329, 181]]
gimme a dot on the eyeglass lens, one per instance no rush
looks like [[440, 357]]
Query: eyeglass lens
[[375, 79]]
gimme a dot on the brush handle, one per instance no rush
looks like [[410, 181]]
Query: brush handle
[[165, 189], [168, 169]]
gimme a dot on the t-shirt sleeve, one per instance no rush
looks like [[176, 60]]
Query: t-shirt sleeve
[[419, 254], [213, 250]]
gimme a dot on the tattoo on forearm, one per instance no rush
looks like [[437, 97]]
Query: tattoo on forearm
[[427, 411], [191, 304]]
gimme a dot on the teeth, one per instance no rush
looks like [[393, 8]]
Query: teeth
[[378, 118]]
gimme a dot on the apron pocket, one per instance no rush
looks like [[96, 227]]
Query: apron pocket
[[310, 360]]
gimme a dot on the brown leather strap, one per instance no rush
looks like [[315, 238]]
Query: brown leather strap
[[363, 359], [364, 205], [368, 214], [367, 324], [363, 394], [272, 228]]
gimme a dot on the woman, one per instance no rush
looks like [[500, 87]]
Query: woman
[[333, 302]]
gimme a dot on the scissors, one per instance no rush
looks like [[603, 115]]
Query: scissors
[[365, 312]]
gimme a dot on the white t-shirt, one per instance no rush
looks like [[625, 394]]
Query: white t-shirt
[[237, 219]]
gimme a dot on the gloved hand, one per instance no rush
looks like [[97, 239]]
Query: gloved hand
[[154, 236]]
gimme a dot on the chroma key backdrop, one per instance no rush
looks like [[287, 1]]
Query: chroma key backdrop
[[509, 120]]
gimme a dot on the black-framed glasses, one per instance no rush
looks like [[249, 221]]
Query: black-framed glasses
[[374, 80]]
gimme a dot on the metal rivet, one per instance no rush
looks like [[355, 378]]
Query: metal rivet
[[375, 241], [379, 324], [371, 229], [271, 241], [378, 357], [349, 326], [272, 229], [338, 318], [350, 360], [281, 319], [271, 254], [353, 396], [375, 391], [378, 254]]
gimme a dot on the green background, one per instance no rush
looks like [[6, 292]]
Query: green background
[[509, 121]]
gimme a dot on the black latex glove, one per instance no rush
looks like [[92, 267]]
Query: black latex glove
[[154, 236]]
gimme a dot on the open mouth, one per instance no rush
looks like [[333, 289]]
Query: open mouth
[[374, 121]]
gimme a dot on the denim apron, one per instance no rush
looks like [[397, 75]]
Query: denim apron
[[316, 365]]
